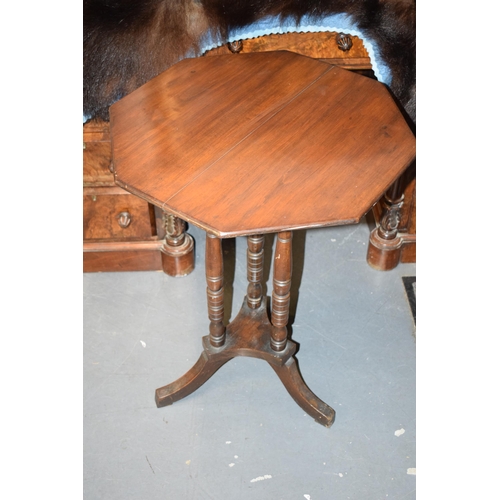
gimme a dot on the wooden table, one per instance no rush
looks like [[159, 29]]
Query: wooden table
[[252, 144]]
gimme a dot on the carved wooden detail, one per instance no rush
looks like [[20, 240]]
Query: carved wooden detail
[[178, 247], [394, 238], [391, 217], [344, 42], [175, 229], [340, 49], [124, 219], [236, 46]]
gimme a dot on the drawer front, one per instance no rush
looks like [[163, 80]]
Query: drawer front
[[117, 216]]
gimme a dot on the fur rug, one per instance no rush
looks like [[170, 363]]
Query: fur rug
[[128, 42]]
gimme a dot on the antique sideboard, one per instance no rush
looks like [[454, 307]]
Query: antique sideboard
[[124, 233]]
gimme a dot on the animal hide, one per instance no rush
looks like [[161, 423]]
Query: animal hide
[[128, 42]]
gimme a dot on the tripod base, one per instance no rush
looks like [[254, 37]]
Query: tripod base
[[249, 335]]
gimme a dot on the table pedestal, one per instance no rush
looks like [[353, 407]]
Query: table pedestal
[[250, 333]]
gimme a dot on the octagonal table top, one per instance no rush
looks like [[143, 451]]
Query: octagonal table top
[[257, 143]]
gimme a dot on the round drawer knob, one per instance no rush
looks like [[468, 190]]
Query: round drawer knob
[[344, 42], [124, 219]]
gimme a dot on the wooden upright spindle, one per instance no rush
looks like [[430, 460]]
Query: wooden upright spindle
[[392, 202], [255, 267], [282, 280], [384, 248], [215, 290]]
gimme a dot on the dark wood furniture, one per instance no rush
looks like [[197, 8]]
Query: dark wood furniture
[[116, 224], [394, 239], [124, 233], [255, 144]]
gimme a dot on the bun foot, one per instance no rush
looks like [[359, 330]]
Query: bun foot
[[383, 255]]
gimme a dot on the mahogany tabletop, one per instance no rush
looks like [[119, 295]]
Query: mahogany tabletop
[[262, 142]]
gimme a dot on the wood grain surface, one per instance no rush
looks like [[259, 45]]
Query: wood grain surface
[[182, 121], [259, 143]]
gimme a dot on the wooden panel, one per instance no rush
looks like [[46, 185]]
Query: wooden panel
[[409, 250], [126, 260], [97, 154], [409, 253], [407, 223], [101, 213], [321, 46]]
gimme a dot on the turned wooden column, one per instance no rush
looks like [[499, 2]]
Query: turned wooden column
[[177, 252], [384, 248], [255, 268], [214, 271], [282, 280]]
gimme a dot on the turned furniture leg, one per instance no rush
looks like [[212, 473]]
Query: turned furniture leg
[[384, 248], [255, 268], [177, 252], [282, 280], [209, 361], [250, 333], [215, 289]]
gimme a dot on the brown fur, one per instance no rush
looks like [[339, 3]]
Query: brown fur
[[128, 42]]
